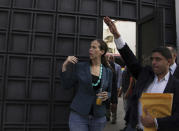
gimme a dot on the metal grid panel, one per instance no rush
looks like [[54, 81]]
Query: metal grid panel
[[41, 67], [146, 10], [0, 112], [65, 45], [89, 6], [61, 94], [44, 22], [4, 21], [67, 24], [38, 114], [63, 5], [5, 3], [109, 8], [169, 35], [19, 42], [1, 93], [60, 114], [2, 65], [13, 129], [169, 16], [21, 21], [148, 1], [39, 89], [88, 26], [16, 89], [42, 44], [129, 10], [26, 4], [46, 5], [3, 41], [17, 65], [165, 2], [14, 113]]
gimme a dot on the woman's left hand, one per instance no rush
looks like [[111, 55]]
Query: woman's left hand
[[104, 95]]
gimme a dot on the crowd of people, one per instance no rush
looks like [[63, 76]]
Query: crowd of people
[[101, 80]]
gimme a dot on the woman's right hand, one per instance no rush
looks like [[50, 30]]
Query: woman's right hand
[[70, 59]]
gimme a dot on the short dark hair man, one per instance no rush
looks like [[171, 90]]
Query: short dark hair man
[[150, 79]]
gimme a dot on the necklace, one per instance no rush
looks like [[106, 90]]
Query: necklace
[[99, 79]]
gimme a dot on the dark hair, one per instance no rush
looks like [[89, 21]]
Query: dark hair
[[164, 52], [103, 46]]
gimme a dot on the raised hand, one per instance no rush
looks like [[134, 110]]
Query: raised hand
[[70, 59], [112, 27]]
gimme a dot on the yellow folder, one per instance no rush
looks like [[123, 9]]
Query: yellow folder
[[157, 104]]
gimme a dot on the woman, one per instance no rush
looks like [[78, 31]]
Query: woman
[[92, 79]]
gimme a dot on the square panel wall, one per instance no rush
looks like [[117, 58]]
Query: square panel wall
[[110, 7], [38, 114], [2, 65], [67, 24], [65, 46], [41, 67], [24, 4], [21, 21], [63, 5], [44, 22], [89, 6], [3, 41], [4, 21], [19, 42], [45, 4], [88, 26], [42, 44], [62, 94], [14, 113], [17, 65], [39, 89], [16, 89]]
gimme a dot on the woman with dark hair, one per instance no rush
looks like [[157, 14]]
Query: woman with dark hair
[[93, 81]]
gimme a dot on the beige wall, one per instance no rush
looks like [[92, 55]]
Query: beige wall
[[127, 30]]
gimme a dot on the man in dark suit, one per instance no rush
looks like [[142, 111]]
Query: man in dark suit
[[174, 68], [150, 79]]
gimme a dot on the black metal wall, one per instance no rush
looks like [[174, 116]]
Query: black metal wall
[[35, 38]]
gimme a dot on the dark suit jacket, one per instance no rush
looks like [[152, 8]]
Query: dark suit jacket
[[145, 76], [85, 97], [176, 72]]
